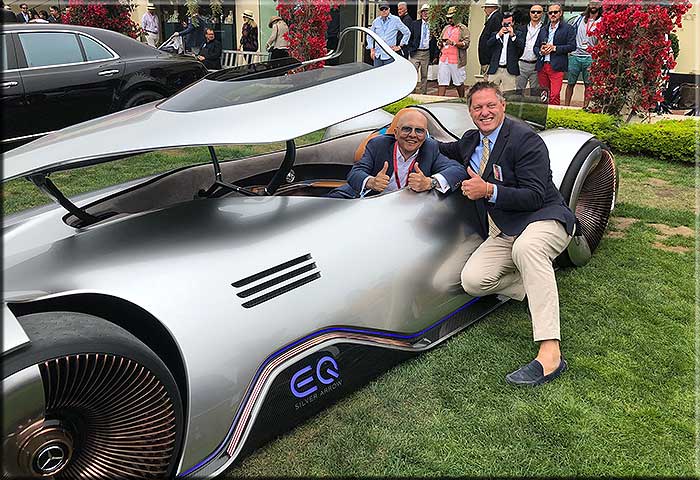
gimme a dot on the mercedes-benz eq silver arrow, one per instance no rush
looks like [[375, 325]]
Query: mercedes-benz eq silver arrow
[[168, 326]]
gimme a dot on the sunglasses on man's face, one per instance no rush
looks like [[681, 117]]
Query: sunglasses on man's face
[[383, 8], [407, 130], [536, 12], [553, 12]]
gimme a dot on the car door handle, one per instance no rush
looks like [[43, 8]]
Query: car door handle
[[107, 73], [9, 84]]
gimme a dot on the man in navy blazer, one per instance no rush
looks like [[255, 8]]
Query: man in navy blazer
[[524, 221], [422, 47], [407, 159], [504, 69], [553, 45]]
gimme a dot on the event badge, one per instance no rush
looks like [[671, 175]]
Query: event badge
[[497, 173]]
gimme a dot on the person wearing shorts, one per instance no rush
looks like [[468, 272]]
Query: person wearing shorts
[[454, 41], [580, 60]]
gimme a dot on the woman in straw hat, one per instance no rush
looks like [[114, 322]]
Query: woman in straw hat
[[277, 45], [249, 34]]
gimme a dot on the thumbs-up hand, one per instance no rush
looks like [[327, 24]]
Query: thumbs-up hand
[[417, 181], [380, 181], [474, 187]]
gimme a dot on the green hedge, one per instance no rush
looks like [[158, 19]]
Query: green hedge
[[601, 125], [667, 140], [673, 140]]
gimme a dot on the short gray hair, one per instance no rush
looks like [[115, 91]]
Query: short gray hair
[[402, 3]]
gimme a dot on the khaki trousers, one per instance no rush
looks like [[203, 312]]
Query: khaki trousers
[[503, 79], [152, 39], [420, 61], [519, 266]]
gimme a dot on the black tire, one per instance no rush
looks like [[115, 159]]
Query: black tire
[[141, 97], [135, 427], [594, 201]]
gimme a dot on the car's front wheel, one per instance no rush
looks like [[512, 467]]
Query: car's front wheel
[[87, 399], [142, 97]]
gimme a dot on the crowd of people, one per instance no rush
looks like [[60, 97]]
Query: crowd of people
[[537, 54], [27, 15], [200, 39]]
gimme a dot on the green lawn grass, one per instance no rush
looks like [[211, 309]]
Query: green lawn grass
[[624, 408]]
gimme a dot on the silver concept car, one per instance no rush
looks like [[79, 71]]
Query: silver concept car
[[168, 326]]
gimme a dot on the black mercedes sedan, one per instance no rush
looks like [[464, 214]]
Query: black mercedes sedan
[[56, 75]]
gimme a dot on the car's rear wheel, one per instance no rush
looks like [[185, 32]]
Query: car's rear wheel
[[86, 399], [590, 188], [141, 97]]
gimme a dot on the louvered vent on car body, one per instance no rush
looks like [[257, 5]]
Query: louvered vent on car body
[[275, 281]]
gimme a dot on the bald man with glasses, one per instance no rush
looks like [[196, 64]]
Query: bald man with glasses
[[408, 158], [554, 43]]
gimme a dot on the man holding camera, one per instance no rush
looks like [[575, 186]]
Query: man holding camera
[[506, 47], [553, 45]]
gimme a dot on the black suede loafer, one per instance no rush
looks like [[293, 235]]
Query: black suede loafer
[[533, 374]]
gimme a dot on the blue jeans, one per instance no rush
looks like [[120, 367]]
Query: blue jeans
[[378, 62]]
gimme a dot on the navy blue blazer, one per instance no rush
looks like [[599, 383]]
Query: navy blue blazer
[[491, 26], [381, 149], [526, 192], [515, 50], [416, 31], [564, 40]]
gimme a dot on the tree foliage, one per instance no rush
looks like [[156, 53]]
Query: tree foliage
[[633, 49], [438, 10]]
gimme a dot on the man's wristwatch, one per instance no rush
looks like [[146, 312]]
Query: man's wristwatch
[[434, 183]]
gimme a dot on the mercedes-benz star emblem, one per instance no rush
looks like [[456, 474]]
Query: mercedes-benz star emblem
[[50, 459]]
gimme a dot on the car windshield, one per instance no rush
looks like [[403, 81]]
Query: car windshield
[[223, 89]]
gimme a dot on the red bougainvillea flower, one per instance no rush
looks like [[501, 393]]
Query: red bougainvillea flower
[[109, 15], [308, 23], [633, 50]]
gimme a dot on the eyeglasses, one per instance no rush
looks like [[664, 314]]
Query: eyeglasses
[[383, 8], [536, 12], [419, 131], [553, 12]]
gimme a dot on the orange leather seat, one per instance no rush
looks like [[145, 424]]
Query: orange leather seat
[[391, 130]]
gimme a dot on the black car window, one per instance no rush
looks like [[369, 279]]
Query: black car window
[[50, 48], [93, 50], [5, 52]]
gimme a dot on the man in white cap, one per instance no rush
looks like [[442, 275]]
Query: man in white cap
[[454, 41], [150, 25], [420, 48], [387, 26], [493, 23]]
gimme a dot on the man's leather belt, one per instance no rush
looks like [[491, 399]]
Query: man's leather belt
[[148, 31], [423, 49], [528, 61], [503, 66]]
